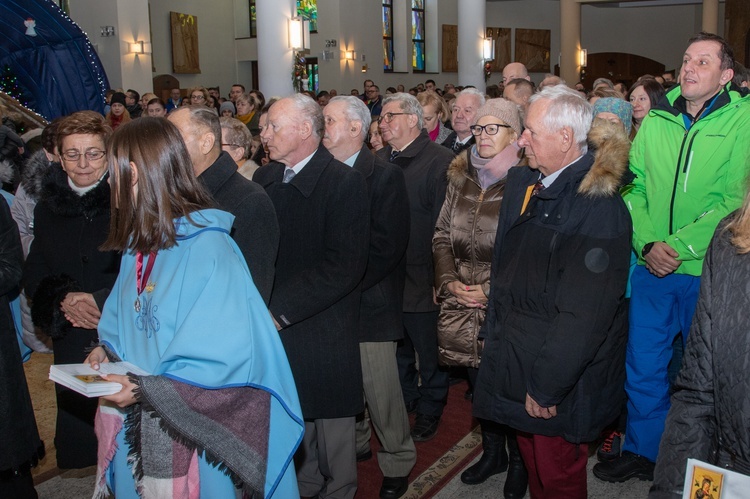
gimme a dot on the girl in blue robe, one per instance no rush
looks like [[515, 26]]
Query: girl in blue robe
[[219, 409]]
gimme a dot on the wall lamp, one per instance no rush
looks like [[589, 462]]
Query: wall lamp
[[140, 47], [299, 33], [583, 57], [488, 46], [350, 55]]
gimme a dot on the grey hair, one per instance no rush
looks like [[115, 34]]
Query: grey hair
[[236, 133], [606, 81], [355, 110], [206, 118], [473, 91], [567, 108], [408, 104], [309, 111]]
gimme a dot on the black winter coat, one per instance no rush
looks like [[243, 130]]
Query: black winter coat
[[65, 257], [709, 417], [325, 224], [556, 323], [380, 316], [19, 439], [424, 164], [255, 228]]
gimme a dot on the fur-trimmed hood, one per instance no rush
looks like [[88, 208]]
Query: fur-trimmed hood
[[61, 200], [36, 168], [610, 146]]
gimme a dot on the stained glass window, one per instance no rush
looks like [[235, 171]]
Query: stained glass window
[[417, 36], [253, 21], [309, 10], [387, 35]]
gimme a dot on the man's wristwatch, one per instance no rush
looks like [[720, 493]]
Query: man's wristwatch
[[646, 249]]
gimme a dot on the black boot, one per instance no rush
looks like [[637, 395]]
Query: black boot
[[494, 460], [518, 478]]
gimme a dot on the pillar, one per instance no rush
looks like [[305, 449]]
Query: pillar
[[275, 58], [471, 24], [710, 16], [570, 40]]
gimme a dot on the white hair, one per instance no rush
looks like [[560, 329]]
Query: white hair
[[567, 108], [476, 93], [355, 110], [309, 111]]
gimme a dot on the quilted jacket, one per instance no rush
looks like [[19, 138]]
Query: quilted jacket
[[709, 418]]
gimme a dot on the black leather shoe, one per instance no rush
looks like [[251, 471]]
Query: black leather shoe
[[411, 407], [394, 487], [425, 427], [364, 456], [624, 468]]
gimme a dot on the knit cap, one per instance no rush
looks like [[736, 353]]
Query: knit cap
[[227, 106], [504, 110], [117, 98], [619, 107]]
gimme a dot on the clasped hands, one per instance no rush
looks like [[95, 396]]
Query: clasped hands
[[81, 310], [662, 259], [466, 295]]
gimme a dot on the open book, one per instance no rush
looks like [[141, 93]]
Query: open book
[[86, 381]]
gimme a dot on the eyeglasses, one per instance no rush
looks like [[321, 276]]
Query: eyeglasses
[[197, 97], [491, 129], [388, 117], [92, 155]]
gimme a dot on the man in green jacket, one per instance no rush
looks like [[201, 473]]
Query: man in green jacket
[[690, 161]]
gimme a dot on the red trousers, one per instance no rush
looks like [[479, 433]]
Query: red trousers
[[557, 468]]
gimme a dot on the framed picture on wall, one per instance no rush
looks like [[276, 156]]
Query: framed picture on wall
[[501, 37], [533, 48], [184, 29]]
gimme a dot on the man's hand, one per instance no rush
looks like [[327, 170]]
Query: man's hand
[[468, 296], [81, 310], [662, 259], [537, 411]]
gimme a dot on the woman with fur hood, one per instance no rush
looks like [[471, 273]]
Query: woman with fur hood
[[66, 277], [36, 168], [462, 250]]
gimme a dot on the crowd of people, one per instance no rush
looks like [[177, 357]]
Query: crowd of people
[[279, 267]]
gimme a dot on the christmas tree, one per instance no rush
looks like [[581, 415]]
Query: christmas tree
[[9, 85]]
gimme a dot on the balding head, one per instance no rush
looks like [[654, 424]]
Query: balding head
[[515, 70], [201, 131]]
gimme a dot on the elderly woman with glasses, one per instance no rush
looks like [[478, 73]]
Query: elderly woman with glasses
[[462, 250], [66, 276]]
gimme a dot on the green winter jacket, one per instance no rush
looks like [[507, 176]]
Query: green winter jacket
[[687, 178]]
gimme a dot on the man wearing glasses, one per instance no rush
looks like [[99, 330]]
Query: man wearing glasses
[[424, 164], [374, 101]]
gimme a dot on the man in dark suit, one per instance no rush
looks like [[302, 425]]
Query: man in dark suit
[[424, 164], [347, 121], [255, 228], [323, 212], [463, 114]]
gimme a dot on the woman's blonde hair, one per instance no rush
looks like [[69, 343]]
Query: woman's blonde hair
[[428, 97], [739, 227]]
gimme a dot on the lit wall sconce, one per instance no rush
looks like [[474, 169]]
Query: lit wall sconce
[[583, 56], [488, 46], [364, 68], [140, 47], [299, 33], [350, 55]]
